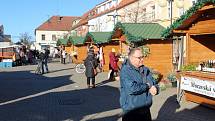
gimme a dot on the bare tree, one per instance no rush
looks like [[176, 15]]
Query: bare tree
[[25, 38], [137, 13]]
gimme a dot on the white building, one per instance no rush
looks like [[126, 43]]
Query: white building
[[136, 11], [50, 31], [105, 16]]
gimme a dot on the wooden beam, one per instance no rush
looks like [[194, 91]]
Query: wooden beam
[[201, 33], [115, 39], [180, 31], [207, 7]]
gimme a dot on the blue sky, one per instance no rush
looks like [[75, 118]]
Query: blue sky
[[20, 16]]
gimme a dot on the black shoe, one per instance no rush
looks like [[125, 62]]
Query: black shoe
[[94, 86]]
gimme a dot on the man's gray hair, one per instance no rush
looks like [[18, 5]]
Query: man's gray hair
[[132, 51]]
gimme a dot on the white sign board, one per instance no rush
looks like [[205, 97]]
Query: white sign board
[[200, 86], [7, 60]]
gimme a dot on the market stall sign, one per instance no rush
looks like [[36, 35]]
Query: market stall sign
[[199, 86]]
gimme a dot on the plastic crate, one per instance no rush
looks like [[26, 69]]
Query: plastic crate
[[7, 64], [1, 65]]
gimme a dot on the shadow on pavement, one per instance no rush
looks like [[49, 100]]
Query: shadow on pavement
[[103, 82], [111, 118], [74, 105], [170, 112], [18, 84], [60, 70]]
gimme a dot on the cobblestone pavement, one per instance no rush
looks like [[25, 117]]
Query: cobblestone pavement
[[61, 95]]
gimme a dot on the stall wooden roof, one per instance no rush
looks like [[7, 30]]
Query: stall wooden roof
[[190, 17], [63, 41], [77, 40], [98, 37], [138, 31]]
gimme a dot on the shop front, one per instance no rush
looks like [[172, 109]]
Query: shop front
[[104, 44], [78, 49], [198, 73], [157, 50]]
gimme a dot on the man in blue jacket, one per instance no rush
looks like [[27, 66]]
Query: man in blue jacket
[[137, 88]]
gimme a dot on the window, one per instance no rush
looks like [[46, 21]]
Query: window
[[169, 9], [109, 5], [144, 10], [43, 37], [194, 2], [54, 38], [153, 12], [181, 11]]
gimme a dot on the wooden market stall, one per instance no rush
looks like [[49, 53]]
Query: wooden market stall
[[198, 26], [79, 48], [7, 56], [158, 54], [65, 44], [102, 39]]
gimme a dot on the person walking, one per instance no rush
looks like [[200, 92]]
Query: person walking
[[64, 56], [46, 56], [41, 61], [113, 66], [90, 64], [137, 88]]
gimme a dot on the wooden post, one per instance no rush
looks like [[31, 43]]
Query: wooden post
[[120, 46], [187, 60]]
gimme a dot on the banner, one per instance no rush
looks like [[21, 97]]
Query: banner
[[200, 86]]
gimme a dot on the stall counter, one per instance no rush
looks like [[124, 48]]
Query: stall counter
[[199, 87]]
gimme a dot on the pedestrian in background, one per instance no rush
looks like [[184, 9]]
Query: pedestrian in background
[[46, 56], [64, 56], [113, 66], [90, 63], [41, 61], [137, 88]]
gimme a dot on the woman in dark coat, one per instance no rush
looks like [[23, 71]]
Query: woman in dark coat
[[90, 64]]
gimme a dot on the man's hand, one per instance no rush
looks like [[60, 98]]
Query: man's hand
[[153, 90]]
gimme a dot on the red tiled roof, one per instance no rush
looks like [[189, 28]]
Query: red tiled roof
[[84, 19], [58, 23]]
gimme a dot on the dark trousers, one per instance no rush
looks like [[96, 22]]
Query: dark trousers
[[111, 78], [42, 66], [64, 60], [46, 65], [113, 74], [141, 114], [88, 80]]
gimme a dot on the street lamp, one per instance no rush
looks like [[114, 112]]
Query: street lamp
[[115, 15], [170, 3]]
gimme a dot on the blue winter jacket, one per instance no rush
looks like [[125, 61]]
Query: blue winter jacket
[[134, 92]]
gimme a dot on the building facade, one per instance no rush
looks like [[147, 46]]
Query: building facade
[[53, 29]]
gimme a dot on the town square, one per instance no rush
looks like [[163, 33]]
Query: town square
[[107, 60]]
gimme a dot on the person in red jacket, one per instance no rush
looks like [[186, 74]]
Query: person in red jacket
[[113, 66]]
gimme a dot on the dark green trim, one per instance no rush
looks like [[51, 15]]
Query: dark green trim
[[98, 37], [137, 32]]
